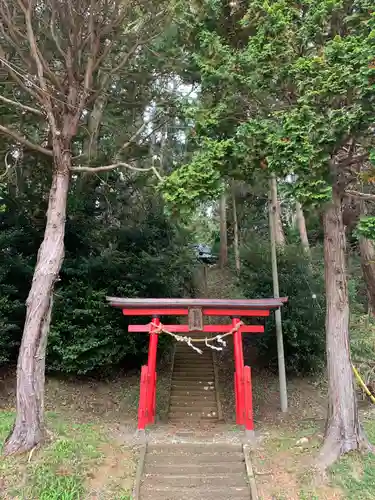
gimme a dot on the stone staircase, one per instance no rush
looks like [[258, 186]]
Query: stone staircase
[[193, 393], [197, 469], [203, 471]]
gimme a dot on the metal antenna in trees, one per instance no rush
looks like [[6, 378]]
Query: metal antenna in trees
[[276, 294]]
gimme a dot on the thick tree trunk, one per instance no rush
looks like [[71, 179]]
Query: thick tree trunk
[[223, 259], [28, 429], [236, 242], [276, 209], [302, 227], [343, 430], [367, 252]]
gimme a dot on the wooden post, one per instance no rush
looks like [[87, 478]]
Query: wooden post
[[249, 421], [142, 406], [236, 242], [205, 280], [223, 257], [239, 373], [152, 350], [276, 294]]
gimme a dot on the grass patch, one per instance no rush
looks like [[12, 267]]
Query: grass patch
[[355, 473], [60, 469]]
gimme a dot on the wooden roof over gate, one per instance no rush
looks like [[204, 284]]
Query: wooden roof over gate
[[123, 303]]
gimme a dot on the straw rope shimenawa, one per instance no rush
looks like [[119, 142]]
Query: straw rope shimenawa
[[189, 341]]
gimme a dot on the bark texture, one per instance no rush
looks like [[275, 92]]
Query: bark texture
[[236, 242], [223, 258], [90, 146], [367, 252], [28, 430], [343, 430], [302, 227], [276, 209]]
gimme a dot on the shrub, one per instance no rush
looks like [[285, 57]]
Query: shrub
[[303, 317], [130, 249]]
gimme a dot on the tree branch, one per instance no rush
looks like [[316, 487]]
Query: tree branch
[[25, 142], [22, 106], [114, 166], [53, 32], [351, 160], [358, 194], [17, 77], [134, 136], [40, 70]]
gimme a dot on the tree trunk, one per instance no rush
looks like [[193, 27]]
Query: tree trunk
[[343, 430], [223, 232], [236, 242], [367, 252], [28, 428], [90, 146], [302, 227], [279, 231]]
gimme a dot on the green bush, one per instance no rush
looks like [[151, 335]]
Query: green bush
[[87, 334], [16, 267], [303, 317], [118, 242]]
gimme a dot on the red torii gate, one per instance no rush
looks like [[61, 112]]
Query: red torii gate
[[196, 309]]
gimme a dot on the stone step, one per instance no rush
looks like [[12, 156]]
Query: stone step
[[196, 422], [189, 352], [183, 393], [201, 360], [194, 480], [200, 377], [193, 396], [194, 367], [181, 386], [194, 401], [197, 366], [170, 468], [203, 411], [179, 416], [196, 494], [168, 456], [193, 358], [204, 448], [208, 410], [193, 385], [187, 362], [165, 492], [183, 399]]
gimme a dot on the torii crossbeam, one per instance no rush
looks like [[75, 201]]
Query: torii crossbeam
[[196, 310]]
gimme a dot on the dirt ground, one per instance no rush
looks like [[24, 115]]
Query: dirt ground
[[283, 457]]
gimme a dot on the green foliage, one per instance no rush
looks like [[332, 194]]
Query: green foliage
[[290, 84], [199, 180], [118, 242], [150, 260], [303, 316], [366, 227], [18, 242]]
